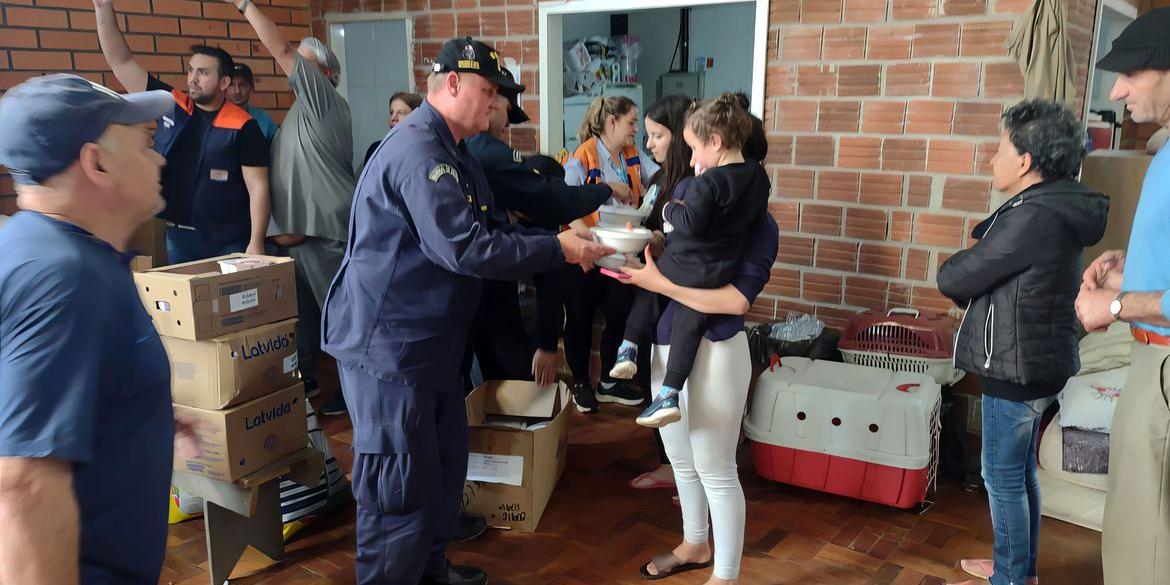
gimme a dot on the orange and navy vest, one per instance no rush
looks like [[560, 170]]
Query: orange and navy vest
[[219, 206], [587, 154]]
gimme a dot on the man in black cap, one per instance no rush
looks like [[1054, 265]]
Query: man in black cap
[[398, 314], [240, 93], [86, 425], [1129, 285]]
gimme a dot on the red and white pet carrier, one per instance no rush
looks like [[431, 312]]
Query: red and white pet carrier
[[856, 431], [904, 341]]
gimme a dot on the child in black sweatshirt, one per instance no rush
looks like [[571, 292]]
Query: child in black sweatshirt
[[707, 226]]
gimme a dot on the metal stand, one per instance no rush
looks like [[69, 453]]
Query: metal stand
[[247, 512]]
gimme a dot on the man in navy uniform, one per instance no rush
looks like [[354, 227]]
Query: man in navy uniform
[[398, 314]]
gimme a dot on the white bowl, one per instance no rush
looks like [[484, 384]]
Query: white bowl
[[622, 240], [613, 261], [619, 216]]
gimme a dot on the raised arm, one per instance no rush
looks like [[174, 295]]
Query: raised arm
[[269, 34], [117, 53]]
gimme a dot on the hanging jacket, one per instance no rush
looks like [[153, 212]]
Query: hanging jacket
[[1019, 283], [587, 154]]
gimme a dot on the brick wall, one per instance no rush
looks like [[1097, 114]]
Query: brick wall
[[42, 36]]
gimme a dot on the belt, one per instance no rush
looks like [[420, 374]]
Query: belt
[[1149, 337]]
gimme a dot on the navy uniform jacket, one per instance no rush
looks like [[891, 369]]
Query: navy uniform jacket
[[404, 299], [546, 200]]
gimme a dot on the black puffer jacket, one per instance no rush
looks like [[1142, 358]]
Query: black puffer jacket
[[1019, 284]]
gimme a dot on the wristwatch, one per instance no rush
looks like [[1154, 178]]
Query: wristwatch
[[1115, 306]]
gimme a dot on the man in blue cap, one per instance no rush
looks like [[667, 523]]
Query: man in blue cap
[[1130, 285], [86, 425], [399, 311]]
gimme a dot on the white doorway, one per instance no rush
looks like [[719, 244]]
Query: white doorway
[[376, 56], [559, 22]]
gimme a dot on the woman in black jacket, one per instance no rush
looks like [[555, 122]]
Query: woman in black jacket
[[1019, 283]]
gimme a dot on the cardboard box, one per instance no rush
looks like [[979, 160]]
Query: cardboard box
[[240, 440], [151, 240], [1119, 174], [235, 368], [196, 301], [141, 263], [514, 470]]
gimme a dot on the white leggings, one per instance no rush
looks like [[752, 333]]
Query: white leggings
[[701, 446]]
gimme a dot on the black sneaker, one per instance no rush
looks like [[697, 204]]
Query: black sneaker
[[469, 528], [621, 394], [335, 405], [584, 398], [456, 575]]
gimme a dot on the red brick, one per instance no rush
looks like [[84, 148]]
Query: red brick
[[493, 23], [816, 80], [175, 45], [908, 79], [763, 310], [834, 317], [780, 80], [838, 116], [41, 60], [838, 186], [520, 22], [815, 151], [865, 10], [914, 9], [939, 230], [179, 7], [794, 183], [950, 156], [821, 11], [10, 78], [923, 117], [883, 117], [889, 43], [845, 43], [786, 214], [834, 255], [918, 264], [289, 32], [957, 80], [69, 40], [903, 154], [467, 23], [966, 194], [976, 119], [15, 37], [860, 152], [985, 39], [880, 260], [784, 11], [865, 224], [1002, 80], [821, 288], [4, 60], [243, 30], [1012, 6], [936, 40], [153, 24], [901, 226], [918, 191], [824, 220], [869, 293], [797, 116], [983, 154], [785, 282], [964, 7], [881, 189], [223, 11], [929, 299], [80, 20], [795, 250], [779, 150], [859, 80], [800, 43], [207, 28], [37, 17]]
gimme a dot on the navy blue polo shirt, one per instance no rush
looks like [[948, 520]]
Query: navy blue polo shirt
[[84, 378]]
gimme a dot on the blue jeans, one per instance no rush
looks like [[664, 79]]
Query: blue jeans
[[185, 245], [1010, 434]]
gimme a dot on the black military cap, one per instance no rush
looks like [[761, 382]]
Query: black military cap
[[468, 55], [1144, 44]]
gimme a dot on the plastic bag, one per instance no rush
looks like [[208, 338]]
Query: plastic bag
[[797, 327]]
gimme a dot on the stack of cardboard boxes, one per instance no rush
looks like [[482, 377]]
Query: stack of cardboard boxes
[[229, 328]]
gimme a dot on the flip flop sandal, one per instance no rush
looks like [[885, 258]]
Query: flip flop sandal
[[985, 568], [647, 481], [668, 565]]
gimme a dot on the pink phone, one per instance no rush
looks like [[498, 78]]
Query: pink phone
[[615, 274]]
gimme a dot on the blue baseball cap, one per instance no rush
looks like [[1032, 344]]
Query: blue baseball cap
[[46, 120]]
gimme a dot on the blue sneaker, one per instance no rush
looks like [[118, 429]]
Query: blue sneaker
[[626, 365], [663, 411]]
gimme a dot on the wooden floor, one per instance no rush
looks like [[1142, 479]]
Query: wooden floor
[[596, 530]]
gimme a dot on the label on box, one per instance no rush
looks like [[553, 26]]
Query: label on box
[[290, 363], [244, 300], [505, 469]]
